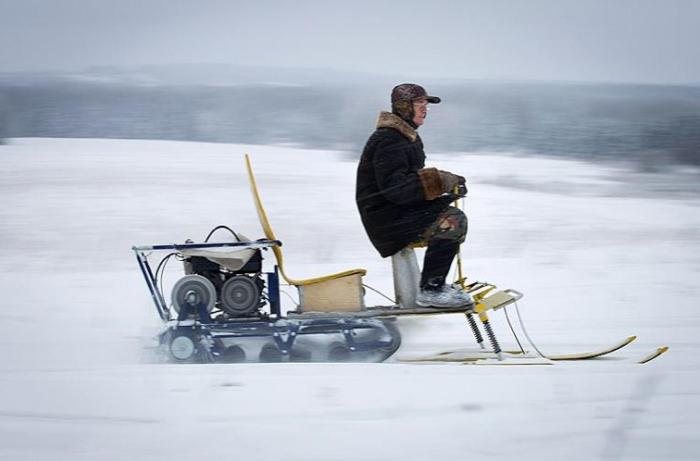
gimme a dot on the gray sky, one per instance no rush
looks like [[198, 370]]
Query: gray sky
[[607, 40]]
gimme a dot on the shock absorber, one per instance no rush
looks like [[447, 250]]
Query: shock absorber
[[475, 330], [492, 337]]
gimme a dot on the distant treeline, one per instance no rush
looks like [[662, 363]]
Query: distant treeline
[[654, 125]]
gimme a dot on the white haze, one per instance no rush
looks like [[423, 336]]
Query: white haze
[[596, 40]]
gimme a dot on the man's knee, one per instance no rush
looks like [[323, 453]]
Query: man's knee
[[452, 224]]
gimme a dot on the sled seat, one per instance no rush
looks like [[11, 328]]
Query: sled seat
[[406, 273], [404, 267], [339, 292]]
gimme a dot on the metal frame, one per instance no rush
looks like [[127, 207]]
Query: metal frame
[[283, 330], [142, 251]]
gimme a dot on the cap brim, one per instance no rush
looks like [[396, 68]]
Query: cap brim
[[433, 99]]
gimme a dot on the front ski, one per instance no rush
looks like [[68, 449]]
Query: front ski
[[654, 354], [593, 355], [472, 355]]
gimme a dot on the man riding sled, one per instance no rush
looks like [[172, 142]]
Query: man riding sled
[[402, 202]]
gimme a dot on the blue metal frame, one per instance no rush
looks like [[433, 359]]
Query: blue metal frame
[[210, 336], [262, 243], [156, 295], [284, 332], [273, 292]]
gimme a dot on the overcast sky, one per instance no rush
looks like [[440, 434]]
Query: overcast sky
[[607, 40]]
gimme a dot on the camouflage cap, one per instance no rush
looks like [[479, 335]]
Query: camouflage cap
[[410, 92]]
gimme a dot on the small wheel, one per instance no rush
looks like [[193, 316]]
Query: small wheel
[[233, 354], [182, 348], [270, 353], [300, 354], [339, 352]]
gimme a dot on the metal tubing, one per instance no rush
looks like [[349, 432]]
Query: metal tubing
[[150, 281], [273, 292], [185, 246], [159, 295]]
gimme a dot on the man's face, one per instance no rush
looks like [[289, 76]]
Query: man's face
[[420, 111]]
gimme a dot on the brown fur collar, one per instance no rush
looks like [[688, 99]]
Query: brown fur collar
[[389, 120]]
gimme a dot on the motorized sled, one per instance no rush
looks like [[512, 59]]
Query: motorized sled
[[226, 308]]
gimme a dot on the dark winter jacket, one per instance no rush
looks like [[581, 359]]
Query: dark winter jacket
[[397, 197]]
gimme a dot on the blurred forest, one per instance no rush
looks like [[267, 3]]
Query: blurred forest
[[650, 124]]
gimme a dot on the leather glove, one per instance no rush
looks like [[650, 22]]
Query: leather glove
[[461, 190], [450, 181]]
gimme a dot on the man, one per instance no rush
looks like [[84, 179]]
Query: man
[[402, 202]]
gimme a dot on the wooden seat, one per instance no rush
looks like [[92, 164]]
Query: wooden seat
[[341, 291]]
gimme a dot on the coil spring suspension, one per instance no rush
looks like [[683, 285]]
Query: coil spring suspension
[[492, 337], [475, 330]]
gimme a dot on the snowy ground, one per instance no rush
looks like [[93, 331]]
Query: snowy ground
[[600, 253]]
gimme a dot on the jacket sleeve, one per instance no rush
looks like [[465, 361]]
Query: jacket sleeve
[[397, 181]]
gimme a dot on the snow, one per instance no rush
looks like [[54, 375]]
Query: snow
[[598, 254]]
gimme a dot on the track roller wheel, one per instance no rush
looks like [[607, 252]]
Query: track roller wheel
[[233, 354], [339, 352], [300, 354], [182, 348], [270, 354]]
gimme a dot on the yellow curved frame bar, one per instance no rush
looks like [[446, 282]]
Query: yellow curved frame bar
[[267, 230]]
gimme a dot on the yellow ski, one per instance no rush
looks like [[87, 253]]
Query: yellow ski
[[467, 355], [592, 355], [654, 354]]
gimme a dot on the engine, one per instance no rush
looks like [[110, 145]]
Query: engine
[[236, 293]]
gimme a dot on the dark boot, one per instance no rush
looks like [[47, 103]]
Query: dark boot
[[437, 262]]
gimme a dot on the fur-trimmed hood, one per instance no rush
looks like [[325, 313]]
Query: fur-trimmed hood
[[389, 120]]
